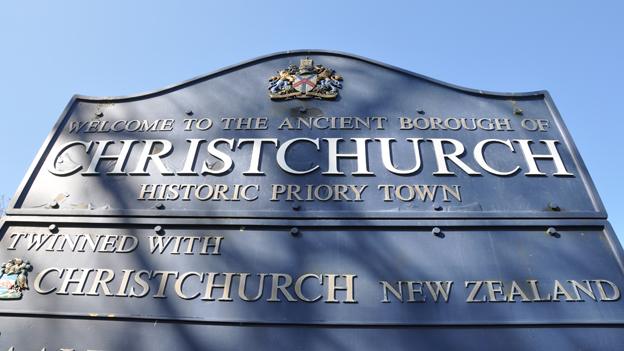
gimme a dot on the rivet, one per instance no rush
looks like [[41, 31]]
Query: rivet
[[160, 206], [421, 112], [189, 112], [552, 231], [437, 232], [159, 230], [438, 208], [303, 110], [53, 228], [518, 111], [294, 231], [554, 206], [296, 207], [54, 204], [99, 114]]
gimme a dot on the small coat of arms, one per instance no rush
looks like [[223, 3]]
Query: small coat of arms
[[305, 82], [14, 278]]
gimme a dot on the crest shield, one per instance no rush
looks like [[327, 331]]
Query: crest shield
[[7, 287], [305, 82]]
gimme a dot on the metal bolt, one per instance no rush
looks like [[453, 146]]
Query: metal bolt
[[189, 112], [296, 207], [99, 114], [552, 231], [437, 232], [518, 111], [303, 110], [294, 231], [53, 228], [438, 208], [159, 230], [421, 112], [554, 206], [54, 204], [160, 206]]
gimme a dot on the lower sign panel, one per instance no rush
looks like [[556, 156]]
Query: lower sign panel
[[382, 276], [80, 335]]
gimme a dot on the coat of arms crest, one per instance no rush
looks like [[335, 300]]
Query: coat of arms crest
[[13, 278], [305, 82]]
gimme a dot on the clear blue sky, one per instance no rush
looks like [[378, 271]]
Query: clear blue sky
[[50, 50]]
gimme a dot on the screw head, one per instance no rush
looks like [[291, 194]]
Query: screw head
[[554, 206], [296, 207], [552, 231], [99, 114], [438, 208], [303, 109], [53, 228], [160, 206], [189, 112], [421, 112], [518, 111], [437, 232], [159, 230], [294, 231], [54, 204]]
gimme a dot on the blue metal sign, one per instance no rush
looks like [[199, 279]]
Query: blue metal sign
[[311, 199]]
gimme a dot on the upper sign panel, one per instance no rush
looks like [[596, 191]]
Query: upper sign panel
[[311, 134]]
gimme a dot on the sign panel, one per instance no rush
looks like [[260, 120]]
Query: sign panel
[[332, 276], [312, 135], [29, 333], [311, 198]]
